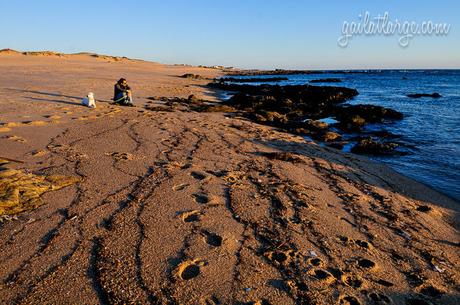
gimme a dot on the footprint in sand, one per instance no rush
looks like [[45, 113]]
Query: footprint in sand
[[281, 257], [322, 276], [190, 216], [201, 198], [385, 283], [431, 291], [262, 302], [365, 263], [189, 269], [213, 300], [180, 187], [213, 239], [363, 244], [349, 300], [352, 281], [316, 262], [199, 175], [118, 156], [379, 298], [415, 279]]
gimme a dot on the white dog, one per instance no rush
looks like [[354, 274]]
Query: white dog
[[89, 100]]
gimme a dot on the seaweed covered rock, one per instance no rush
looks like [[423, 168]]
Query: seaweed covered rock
[[330, 136], [370, 146], [20, 191]]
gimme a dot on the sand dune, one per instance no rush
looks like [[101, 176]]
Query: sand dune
[[201, 208]]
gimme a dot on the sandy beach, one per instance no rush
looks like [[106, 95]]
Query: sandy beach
[[123, 205]]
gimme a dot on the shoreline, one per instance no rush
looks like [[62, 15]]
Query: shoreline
[[400, 148], [200, 207]]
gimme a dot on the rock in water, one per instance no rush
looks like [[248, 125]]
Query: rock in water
[[419, 95]]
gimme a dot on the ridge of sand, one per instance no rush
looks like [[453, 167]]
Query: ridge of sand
[[199, 208], [11, 52]]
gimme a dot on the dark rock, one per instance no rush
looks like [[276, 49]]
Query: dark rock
[[336, 145], [306, 95], [419, 95], [354, 117], [252, 79], [192, 76]]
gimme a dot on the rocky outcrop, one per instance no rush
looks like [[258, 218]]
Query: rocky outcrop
[[297, 108]]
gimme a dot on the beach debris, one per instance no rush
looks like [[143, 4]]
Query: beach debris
[[21, 191], [4, 218], [438, 269]]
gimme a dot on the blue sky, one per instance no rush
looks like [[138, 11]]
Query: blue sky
[[242, 33]]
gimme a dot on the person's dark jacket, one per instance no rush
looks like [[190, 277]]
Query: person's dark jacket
[[119, 89]]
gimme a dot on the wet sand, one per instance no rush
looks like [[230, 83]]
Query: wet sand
[[200, 208]]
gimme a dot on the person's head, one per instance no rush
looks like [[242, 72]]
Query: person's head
[[122, 81]]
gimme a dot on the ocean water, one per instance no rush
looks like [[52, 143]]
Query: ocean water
[[431, 127]]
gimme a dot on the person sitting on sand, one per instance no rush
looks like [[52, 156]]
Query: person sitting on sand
[[123, 95]]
